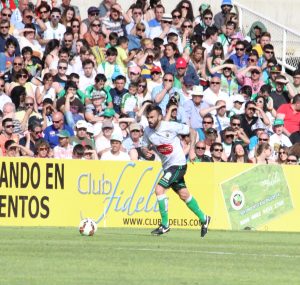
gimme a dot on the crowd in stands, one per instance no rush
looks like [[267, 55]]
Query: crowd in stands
[[76, 88]]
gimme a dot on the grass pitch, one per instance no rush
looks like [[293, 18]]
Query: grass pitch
[[54, 256]]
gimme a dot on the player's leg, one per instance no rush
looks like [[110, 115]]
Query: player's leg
[[160, 191], [192, 204]]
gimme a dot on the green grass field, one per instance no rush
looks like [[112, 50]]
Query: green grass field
[[53, 256]]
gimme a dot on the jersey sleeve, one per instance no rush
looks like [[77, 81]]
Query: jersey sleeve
[[180, 129]]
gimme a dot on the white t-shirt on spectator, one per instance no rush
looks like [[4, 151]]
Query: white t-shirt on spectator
[[57, 33]]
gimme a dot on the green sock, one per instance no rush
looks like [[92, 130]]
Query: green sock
[[193, 205], [163, 209]]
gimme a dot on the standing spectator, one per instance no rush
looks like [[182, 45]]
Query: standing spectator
[[50, 133], [193, 107]]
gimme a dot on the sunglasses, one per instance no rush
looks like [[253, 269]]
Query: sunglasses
[[82, 129], [176, 17], [255, 72], [185, 7], [141, 30], [29, 17], [251, 60], [155, 73], [263, 140], [18, 63], [96, 25], [291, 160], [142, 85], [28, 104], [229, 136], [4, 27], [44, 12], [23, 76], [94, 14], [227, 68], [207, 18], [218, 149], [187, 26], [269, 52], [239, 49], [215, 82], [281, 152], [6, 15], [207, 122], [251, 109], [200, 148], [62, 67], [38, 132], [43, 148], [236, 125], [168, 80], [166, 22], [56, 122], [2, 85], [9, 126]]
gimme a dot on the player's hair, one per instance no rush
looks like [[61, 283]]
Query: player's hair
[[153, 107]]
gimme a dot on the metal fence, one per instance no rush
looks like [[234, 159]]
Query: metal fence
[[286, 42]]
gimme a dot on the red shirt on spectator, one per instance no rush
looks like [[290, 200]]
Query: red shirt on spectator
[[291, 117]]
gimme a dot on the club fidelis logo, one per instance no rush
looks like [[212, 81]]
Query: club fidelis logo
[[237, 198]]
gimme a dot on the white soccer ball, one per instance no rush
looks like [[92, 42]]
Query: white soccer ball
[[87, 227]]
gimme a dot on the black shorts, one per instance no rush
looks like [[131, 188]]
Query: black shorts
[[174, 177]]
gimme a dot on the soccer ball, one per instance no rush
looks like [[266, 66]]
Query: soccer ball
[[87, 227]]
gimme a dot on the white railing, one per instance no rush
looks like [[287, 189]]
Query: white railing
[[286, 42]]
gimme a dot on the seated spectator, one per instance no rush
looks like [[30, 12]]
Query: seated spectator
[[200, 148], [238, 154], [64, 149], [81, 135], [115, 152], [263, 154], [290, 113], [12, 149], [42, 149], [282, 155], [51, 132]]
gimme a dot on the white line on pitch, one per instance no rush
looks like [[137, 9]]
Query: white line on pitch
[[207, 252]]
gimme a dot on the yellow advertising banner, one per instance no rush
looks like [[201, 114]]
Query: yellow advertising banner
[[53, 192]]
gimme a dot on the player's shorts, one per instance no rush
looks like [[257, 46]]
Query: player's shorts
[[174, 177]]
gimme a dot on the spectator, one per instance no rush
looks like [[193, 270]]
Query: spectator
[[64, 149], [238, 154], [115, 152], [51, 132]]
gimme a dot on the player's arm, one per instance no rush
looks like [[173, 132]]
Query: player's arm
[[193, 136]]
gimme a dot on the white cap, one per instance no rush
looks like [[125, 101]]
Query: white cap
[[89, 128], [116, 136], [238, 97], [81, 124]]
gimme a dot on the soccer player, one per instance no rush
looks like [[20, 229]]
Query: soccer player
[[163, 137]]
